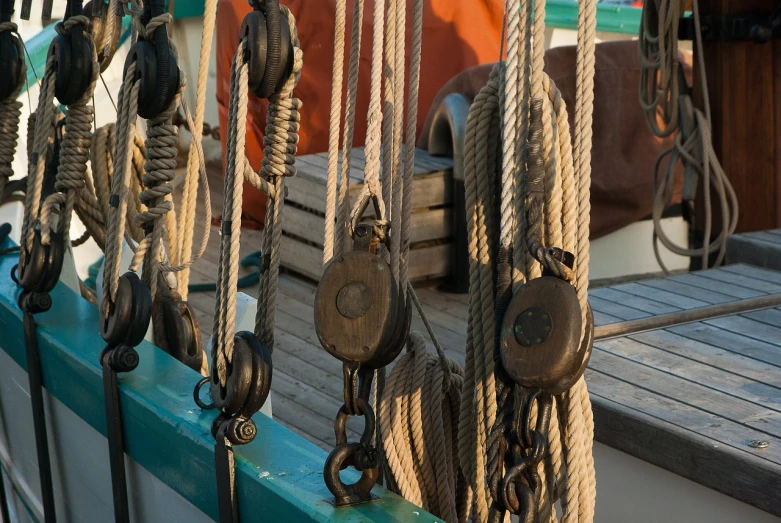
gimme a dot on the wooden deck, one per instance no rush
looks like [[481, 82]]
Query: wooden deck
[[689, 399]]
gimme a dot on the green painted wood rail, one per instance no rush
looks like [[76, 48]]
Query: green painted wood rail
[[279, 475]]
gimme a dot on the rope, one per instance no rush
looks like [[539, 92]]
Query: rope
[[542, 181], [195, 158], [10, 113], [280, 145], [693, 147], [340, 173]]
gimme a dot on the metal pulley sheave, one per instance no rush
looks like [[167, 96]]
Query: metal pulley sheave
[[360, 314]]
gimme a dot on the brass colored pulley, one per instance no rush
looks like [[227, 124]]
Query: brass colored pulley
[[360, 316], [540, 345]]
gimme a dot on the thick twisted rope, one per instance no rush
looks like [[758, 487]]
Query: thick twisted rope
[[10, 113], [74, 149], [280, 145], [195, 160], [43, 135], [544, 195]]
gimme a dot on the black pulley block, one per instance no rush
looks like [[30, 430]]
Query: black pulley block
[[248, 377], [183, 335], [269, 49], [73, 62], [10, 64], [158, 72], [129, 314], [43, 264]]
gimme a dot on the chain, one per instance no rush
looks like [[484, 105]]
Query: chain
[[208, 130], [363, 456]]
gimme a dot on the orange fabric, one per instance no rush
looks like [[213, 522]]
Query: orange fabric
[[458, 34]]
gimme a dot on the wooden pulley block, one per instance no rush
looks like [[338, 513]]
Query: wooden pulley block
[[359, 313], [540, 344]]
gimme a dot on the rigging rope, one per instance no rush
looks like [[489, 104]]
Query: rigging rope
[[415, 423], [149, 206], [544, 193], [10, 113], [280, 141], [665, 97]]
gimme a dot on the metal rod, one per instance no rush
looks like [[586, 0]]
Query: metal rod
[[116, 447], [39, 418], [625, 328], [227, 497]]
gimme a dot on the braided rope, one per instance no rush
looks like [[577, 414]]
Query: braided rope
[[10, 114], [280, 146]]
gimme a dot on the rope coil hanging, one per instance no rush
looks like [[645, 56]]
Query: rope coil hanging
[[540, 180], [667, 102]]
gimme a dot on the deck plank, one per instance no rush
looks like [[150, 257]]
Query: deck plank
[[686, 398]]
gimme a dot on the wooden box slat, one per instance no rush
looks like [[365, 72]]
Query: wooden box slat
[[432, 214]]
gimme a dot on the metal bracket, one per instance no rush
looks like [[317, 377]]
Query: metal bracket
[[753, 27]]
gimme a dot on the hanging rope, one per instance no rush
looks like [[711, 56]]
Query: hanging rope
[[543, 190], [280, 144], [665, 97], [10, 111], [415, 424], [195, 160]]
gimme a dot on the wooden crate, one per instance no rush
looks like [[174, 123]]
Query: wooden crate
[[432, 215]]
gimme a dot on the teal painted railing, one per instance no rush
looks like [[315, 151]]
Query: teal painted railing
[[560, 13], [167, 434]]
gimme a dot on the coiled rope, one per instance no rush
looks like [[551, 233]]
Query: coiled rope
[[519, 154], [10, 114], [280, 145], [663, 99]]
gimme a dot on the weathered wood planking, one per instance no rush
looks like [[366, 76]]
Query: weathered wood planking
[[687, 398], [762, 248], [431, 225]]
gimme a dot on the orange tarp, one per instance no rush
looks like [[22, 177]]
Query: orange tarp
[[458, 34]]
